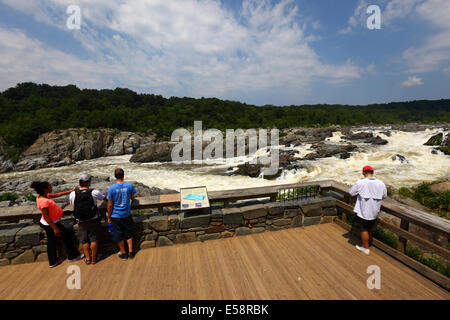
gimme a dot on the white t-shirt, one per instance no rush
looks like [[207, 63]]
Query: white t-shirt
[[96, 195], [370, 192]]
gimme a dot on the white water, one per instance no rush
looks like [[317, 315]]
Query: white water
[[422, 166]]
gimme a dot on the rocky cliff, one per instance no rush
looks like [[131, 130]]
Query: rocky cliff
[[64, 147]]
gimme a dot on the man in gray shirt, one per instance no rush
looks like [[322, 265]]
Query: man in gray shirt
[[370, 193], [84, 201]]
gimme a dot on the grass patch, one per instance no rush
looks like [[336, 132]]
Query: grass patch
[[9, 196], [445, 150], [423, 194], [433, 262], [406, 192], [386, 237], [29, 197]]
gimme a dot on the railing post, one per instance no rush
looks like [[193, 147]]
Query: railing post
[[404, 224]]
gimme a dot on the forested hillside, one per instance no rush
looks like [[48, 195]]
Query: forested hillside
[[28, 110]]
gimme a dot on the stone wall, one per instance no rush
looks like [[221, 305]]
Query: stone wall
[[24, 243]]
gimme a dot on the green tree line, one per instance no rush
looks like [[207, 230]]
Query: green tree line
[[30, 109]]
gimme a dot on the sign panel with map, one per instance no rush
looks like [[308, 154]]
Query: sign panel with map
[[194, 198]]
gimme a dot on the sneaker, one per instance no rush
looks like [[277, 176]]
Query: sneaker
[[362, 249], [131, 254], [60, 260], [81, 256], [123, 256]]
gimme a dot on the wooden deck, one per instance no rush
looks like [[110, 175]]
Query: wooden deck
[[315, 262]]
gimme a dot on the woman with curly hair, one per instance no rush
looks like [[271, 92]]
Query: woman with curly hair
[[51, 223]]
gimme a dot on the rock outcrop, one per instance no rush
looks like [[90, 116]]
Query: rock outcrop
[[156, 152], [5, 163], [435, 140], [366, 137], [324, 150], [440, 187], [64, 147], [299, 136]]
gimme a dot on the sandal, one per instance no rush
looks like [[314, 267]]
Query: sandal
[[87, 261]]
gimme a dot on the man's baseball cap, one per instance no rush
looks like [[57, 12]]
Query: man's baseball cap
[[85, 177], [368, 168]]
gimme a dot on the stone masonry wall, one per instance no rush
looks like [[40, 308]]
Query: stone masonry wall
[[25, 243]]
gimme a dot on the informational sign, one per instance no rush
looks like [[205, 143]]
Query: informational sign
[[194, 198]]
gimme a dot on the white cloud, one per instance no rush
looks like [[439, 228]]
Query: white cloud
[[24, 59], [412, 81], [316, 25], [358, 17], [184, 47], [435, 50], [391, 10], [398, 9]]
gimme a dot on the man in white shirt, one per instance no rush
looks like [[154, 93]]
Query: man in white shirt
[[86, 212], [370, 193]]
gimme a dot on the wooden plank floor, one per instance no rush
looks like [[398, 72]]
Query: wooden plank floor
[[315, 262]]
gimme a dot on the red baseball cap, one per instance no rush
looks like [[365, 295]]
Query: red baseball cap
[[368, 168]]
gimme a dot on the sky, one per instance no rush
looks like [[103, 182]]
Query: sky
[[280, 52]]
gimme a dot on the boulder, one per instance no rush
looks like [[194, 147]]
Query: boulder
[[290, 213], [324, 150], [28, 236], [41, 257], [312, 210], [159, 223], [4, 262], [26, 257], [156, 152], [358, 136], [440, 187], [309, 221], [147, 244], [163, 241], [185, 237], [400, 158], [297, 221], [376, 140], [227, 234], [299, 136], [232, 217], [247, 169], [243, 231], [281, 222], [254, 211], [9, 231], [435, 140], [211, 236], [258, 230]]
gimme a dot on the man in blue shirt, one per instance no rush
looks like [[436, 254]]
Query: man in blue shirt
[[119, 198]]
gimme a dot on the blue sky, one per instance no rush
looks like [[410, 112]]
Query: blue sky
[[279, 52]]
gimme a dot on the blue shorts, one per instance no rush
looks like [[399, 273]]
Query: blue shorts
[[122, 228]]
